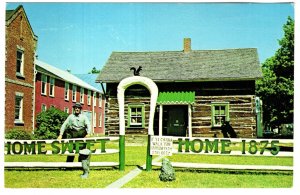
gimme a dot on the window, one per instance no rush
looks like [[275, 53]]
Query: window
[[136, 115], [220, 112], [44, 107], [94, 98], [94, 119], [89, 97], [66, 91], [19, 107], [100, 100], [74, 89], [66, 110], [20, 62], [52, 85], [82, 95], [100, 119], [44, 85]]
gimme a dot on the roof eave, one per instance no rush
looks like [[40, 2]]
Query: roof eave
[[192, 80]]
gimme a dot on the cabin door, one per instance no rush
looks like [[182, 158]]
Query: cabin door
[[176, 120]]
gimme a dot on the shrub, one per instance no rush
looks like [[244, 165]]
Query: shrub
[[18, 134], [49, 123]]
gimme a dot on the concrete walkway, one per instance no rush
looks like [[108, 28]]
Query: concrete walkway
[[129, 176]]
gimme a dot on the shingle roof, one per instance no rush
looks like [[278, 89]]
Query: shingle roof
[[196, 65], [10, 13], [9, 17], [63, 75]]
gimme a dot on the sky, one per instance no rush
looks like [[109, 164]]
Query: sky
[[79, 36]]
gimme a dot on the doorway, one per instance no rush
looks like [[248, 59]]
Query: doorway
[[175, 120]]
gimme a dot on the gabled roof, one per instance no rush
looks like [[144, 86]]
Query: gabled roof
[[63, 75], [196, 65], [11, 15], [91, 80]]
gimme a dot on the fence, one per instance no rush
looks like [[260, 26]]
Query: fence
[[227, 147], [157, 145], [64, 147]]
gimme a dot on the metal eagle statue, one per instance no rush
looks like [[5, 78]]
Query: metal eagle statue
[[136, 72]]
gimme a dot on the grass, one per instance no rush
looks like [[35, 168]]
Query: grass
[[136, 156], [210, 179]]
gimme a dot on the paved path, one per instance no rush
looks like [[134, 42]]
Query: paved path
[[132, 174]]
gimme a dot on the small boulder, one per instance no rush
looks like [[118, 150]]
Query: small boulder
[[167, 171]]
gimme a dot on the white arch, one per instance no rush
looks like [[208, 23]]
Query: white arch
[[150, 85]]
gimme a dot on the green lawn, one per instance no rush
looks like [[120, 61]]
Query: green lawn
[[208, 179], [136, 156]]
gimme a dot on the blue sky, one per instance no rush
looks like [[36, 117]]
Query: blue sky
[[80, 36]]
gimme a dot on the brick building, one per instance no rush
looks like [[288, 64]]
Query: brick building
[[20, 50], [61, 89]]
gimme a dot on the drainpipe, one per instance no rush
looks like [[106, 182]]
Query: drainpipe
[[103, 89], [103, 107], [258, 118], [33, 110], [93, 113]]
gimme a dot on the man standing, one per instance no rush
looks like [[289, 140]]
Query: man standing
[[77, 125]]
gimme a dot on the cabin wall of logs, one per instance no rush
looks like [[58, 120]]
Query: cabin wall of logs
[[239, 95]]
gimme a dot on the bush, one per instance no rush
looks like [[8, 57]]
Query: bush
[[49, 123], [18, 134]]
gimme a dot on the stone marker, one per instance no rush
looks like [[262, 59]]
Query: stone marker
[[167, 171]]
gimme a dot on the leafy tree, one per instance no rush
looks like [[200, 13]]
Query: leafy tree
[[276, 89], [49, 123], [94, 71]]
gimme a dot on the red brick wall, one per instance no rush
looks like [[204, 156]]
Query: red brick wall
[[19, 33], [59, 101]]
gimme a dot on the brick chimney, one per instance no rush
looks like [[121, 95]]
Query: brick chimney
[[187, 45]]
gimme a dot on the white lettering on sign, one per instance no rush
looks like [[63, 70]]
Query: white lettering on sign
[[161, 146]]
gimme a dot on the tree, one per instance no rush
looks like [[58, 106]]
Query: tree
[[94, 71], [49, 123], [276, 89]]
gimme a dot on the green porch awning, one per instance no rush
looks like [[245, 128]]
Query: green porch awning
[[182, 97]]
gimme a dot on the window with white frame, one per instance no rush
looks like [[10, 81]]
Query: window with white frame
[[44, 108], [136, 115], [66, 110], [19, 107], [94, 98], [94, 119], [220, 113], [44, 85], [20, 62], [100, 100], [66, 91], [89, 97], [52, 87], [100, 119], [74, 90], [82, 95]]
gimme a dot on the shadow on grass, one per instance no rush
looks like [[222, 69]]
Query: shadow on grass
[[60, 169], [236, 172]]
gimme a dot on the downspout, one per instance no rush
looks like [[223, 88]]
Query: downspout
[[259, 129], [94, 126], [33, 110], [103, 108], [103, 89]]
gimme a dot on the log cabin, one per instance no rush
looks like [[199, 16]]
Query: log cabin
[[198, 89]]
